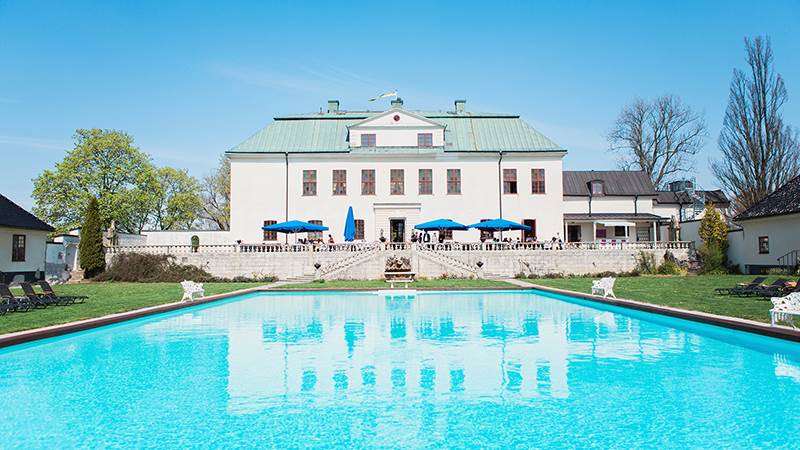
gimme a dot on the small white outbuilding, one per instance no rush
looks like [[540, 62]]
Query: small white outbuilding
[[23, 243]]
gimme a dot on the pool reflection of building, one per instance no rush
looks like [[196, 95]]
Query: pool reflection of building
[[358, 346]]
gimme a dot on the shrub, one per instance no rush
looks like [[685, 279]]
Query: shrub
[[147, 268], [671, 267], [646, 263], [452, 276], [713, 227], [714, 233], [90, 247], [143, 267], [713, 258]]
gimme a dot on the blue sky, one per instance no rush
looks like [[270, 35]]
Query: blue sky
[[191, 79]]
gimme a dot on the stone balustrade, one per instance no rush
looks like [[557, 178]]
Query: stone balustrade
[[367, 260]]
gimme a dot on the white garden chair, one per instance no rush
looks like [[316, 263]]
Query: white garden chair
[[604, 287], [190, 288], [785, 308]]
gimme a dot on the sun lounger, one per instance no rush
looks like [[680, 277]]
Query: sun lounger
[[16, 303], [67, 299], [5, 307], [776, 289], [751, 285], [35, 298]]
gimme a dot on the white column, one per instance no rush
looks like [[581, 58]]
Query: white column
[[654, 231], [594, 231]]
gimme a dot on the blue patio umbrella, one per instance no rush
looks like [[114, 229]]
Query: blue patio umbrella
[[499, 225], [294, 226], [441, 224], [350, 226]]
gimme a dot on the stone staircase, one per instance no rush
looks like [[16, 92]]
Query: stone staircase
[[347, 262], [448, 261], [300, 279]]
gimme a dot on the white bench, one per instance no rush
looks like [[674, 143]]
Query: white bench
[[604, 287], [399, 277], [785, 308], [190, 288]]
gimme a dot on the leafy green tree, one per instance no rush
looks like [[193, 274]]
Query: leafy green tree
[[90, 247], [714, 232], [178, 203], [713, 228], [106, 166]]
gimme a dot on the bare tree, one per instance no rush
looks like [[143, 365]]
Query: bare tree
[[659, 137], [215, 191], [760, 152]]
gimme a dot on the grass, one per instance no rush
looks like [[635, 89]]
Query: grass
[[104, 299], [689, 292], [381, 284]]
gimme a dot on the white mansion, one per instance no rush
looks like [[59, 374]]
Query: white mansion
[[398, 168]]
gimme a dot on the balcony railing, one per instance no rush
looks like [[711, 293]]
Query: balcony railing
[[396, 246]]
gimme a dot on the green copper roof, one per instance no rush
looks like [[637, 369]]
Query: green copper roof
[[465, 132]]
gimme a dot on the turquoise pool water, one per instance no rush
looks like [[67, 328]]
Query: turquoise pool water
[[466, 370]]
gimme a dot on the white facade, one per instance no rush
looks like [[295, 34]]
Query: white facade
[[35, 251], [778, 236], [259, 183]]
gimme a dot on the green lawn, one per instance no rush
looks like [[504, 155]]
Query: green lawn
[[689, 292], [105, 298], [380, 284]]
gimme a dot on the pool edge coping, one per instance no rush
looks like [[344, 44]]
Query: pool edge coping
[[750, 326], [735, 323]]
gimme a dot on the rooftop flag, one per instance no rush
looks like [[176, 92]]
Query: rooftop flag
[[385, 95]]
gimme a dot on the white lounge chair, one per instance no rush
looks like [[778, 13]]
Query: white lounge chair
[[785, 308], [604, 287], [190, 288]]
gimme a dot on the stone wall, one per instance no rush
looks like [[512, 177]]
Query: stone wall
[[462, 263], [565, 262]]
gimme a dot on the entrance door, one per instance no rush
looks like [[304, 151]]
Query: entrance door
[[526, 235], [397, 230], [573, 233]]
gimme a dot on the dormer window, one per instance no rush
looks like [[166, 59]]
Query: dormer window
[[597, 187], [368, 140], [425, 139]]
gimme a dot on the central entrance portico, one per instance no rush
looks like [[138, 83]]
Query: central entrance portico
[[394, 220]]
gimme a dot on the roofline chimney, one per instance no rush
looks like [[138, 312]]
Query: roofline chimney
[[460, 106], [333, 106], [397, 103]]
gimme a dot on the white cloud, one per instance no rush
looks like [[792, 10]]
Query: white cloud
[[32, 142]]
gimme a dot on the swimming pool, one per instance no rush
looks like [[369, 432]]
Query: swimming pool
[[460, 369]]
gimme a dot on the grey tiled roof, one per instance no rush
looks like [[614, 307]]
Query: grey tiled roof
[[14, 216], [616, 182], [785, 200]]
